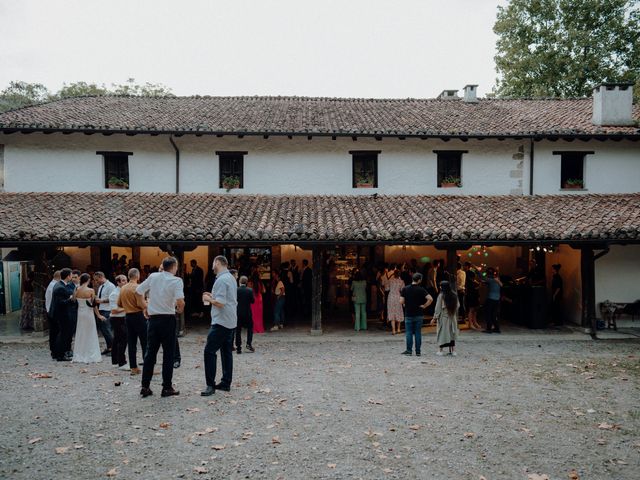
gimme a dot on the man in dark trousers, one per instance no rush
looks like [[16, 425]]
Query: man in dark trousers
[[196, 281], [245, 319], [166, 298], [61, 311], [224, 319]]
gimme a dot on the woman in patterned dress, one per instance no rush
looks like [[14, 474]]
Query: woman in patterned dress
[[394, 307]]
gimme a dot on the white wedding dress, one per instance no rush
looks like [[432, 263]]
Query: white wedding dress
[[86, 348]]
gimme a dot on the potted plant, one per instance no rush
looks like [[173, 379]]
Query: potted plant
[[451, 182], [364, 180], [230, 182], [117, 184], [573, 184]]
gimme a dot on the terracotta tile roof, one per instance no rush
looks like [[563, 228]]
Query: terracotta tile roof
[[319, 116], [152, 217]]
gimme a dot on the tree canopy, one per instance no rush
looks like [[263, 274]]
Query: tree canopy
[[21, 94], [563, 48]]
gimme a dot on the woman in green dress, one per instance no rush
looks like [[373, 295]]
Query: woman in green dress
[[446, 315], [359, 297]]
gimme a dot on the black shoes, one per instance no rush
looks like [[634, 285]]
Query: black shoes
[[406, 352], [224, 388], [238, 350], [208, 391], [63, 359], [487, 331], [106, 351], [418, 354], [250, 348], [169, 392], [145, 392]]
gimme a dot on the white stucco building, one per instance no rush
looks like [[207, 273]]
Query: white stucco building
[[337, 148]]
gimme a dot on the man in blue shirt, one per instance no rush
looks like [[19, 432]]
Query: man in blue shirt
[[493, 300], [224, 319]]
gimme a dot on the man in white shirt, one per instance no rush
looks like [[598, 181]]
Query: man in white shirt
[[105, 288], [166, 297], [54, 329], [118, 324]]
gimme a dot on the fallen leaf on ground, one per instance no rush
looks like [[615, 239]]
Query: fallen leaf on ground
[[331, 465], [40, 375], [414, 427], [193, 410], [200, 470], [61, 450], [535, 476], [374, 402], [34, 440], [112, 473], [469, 435], [608, 426], [165, 425], [276, 440], [573, 475], [219, 447]]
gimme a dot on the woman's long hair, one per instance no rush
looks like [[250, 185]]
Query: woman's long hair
[[449, 297]]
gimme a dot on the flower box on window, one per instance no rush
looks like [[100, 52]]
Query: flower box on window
[[230, 182], [364, 180], [573, 184], [115, 183], [451, 182]]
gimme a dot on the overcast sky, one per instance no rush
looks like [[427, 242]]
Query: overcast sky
[[338, 48]]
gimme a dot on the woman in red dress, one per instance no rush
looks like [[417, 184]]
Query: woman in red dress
[[256, 307]]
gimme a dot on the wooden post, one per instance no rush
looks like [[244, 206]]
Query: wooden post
[[452, 266], [587, 271], [316, 291]]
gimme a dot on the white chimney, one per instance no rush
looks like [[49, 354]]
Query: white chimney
[[448, 95], [470, 93], [612, 104]]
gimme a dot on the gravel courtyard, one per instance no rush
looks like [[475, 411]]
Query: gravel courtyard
[[338, 406]]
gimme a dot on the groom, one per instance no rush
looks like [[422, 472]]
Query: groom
[[61, 311]]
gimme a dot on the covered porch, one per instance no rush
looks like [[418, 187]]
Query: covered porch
[[350, 231]]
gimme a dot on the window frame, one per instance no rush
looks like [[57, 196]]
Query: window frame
[[240, 171], [441, 171], [565, 156], [121, 172], [358, 155]]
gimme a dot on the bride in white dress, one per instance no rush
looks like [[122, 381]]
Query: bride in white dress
[[86, 348]]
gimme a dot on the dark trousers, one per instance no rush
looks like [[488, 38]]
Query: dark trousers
[[161, 331], [219, 338], [136, 329], [63, 339], [119, 345], [491, 313], [249, 324], [54, 330], [462, 311], [105, 328]]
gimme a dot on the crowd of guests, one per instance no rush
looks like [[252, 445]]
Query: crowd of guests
[[404, 294], [129, 312]]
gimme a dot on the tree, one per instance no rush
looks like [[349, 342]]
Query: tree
[[20, 94], [78, 89], [564, 48]]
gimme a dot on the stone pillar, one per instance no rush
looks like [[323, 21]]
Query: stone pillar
[[316, 291]]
